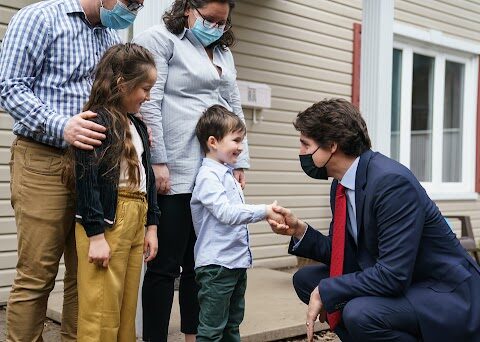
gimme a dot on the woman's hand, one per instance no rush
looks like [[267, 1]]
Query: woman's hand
[[150, 246], [99, 250], [162, 178], [239, 175]]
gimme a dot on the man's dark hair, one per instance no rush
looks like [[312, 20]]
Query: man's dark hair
[[335, 121], [217, 121], [174, 19]]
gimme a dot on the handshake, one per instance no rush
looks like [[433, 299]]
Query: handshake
[[284, 222]]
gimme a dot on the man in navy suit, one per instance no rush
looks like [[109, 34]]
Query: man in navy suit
[[393, 269]]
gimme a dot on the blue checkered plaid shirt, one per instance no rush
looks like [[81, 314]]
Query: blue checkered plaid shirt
[[47, 63]]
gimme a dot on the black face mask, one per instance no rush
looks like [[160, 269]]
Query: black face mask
[[309, 167]]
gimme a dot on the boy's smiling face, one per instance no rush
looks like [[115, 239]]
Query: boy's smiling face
[[227, 150]]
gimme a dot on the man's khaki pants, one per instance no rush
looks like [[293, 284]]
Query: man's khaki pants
[[108, 296], [44, 214]]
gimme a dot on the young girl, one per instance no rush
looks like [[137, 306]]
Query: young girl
[[116, 198]]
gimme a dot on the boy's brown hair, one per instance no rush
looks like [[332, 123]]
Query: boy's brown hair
[[217, 121]]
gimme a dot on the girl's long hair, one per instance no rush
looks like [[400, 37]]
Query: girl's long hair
[[127, 65], [175, 19]]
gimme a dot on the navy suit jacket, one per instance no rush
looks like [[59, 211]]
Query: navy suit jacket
[[405, 248]]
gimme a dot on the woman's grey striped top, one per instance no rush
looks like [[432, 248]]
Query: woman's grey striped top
[[187, 84]]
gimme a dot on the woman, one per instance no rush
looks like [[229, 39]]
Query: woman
[[195, 70]]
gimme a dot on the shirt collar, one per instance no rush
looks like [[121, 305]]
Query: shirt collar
[[219, 168], [182, 34], [348, 179], [73, 6]]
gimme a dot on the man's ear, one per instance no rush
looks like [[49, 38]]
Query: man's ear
[[333, 147], [212, 143]]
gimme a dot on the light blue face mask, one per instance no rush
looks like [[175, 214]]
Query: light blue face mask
[[118, 18], [206, 35]]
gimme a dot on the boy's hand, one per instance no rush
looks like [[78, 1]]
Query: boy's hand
[[272, 215], [99, 250], [292, 226], [150, 246]]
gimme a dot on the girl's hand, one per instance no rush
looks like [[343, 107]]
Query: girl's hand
[[99, 250], [150, 246]]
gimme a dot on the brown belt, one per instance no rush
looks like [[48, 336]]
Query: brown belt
[[40, 144]]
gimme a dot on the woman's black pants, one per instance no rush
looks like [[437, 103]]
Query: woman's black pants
[[176, 239]]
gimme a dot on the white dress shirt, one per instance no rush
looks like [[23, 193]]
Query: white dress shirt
[[348, 181]]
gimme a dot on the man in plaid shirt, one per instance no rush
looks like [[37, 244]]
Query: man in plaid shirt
[[46, 65]]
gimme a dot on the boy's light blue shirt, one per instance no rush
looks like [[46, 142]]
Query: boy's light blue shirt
[[220, 217]]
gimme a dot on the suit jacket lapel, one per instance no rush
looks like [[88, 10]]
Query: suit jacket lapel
[[360, 183]]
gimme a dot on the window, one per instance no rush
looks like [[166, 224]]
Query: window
[[433, 108]]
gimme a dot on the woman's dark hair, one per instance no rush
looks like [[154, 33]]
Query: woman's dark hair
[[174, 19], [335, 121], [217, 121]]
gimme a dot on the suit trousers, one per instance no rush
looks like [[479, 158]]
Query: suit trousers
[[107, 297], [44, 214], [364, 318]]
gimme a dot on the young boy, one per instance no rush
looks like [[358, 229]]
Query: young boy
[[220, 217]]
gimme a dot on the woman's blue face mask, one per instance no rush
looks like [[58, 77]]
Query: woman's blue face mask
[[206, 32], [118, 18]]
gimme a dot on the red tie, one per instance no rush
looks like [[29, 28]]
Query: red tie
[[338, 245]]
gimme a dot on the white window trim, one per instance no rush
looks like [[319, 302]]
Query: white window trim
[[376, 70], [467, 55], [435, 37]]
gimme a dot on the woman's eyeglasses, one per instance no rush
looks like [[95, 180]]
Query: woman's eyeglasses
[[134, 6], [208, 24]]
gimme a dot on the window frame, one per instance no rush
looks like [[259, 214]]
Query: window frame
[[437, 189]]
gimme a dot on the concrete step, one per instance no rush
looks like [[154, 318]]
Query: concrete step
[[272, 311]]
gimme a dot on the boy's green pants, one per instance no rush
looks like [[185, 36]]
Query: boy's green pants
[[222, 302]]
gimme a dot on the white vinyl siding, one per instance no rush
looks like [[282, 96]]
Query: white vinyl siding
[[303, 50], [458, 18]]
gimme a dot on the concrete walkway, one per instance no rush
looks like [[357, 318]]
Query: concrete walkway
[[273, 310]]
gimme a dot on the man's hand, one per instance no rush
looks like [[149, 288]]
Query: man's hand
[[83, 133], [292, 226], [239, 175], [315, 309], [150, 246], [99, 250], [162, 178]]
